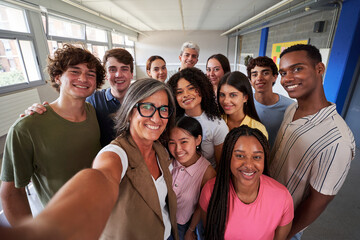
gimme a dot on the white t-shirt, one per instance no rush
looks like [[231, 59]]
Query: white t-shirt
[[214, 133]]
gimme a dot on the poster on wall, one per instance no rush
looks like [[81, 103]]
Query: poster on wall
[[277, 49]]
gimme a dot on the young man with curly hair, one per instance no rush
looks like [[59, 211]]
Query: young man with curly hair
[[119, 67], [49, 148]]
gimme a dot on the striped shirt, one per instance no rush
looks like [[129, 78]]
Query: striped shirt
[[314, 150]]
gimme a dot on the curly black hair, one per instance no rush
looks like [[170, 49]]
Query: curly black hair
[[202, 84]]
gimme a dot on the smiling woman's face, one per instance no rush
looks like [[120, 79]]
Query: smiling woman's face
[[149, 129], [247, 161], [214, 71], [158, 70], [187, 96]]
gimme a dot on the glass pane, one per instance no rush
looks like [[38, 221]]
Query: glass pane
[[99, 51], [52, 45], [117, 38], [128, 42], [95, 34], [11, 65], [12, 19], [131, 51], [28, 54], [66, 29]]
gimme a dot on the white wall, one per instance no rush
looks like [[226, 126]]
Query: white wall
[[168, 43]]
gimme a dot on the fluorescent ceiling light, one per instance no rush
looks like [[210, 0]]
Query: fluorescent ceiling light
[[263, 13]]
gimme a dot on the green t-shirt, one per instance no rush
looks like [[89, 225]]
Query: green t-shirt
[[49, 150]]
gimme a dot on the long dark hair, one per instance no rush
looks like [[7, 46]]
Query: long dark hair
[[239, 81], [224, 61], [217, 211], [201, 83]]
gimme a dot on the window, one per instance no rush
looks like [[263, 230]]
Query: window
[[13, 19], [93, 38], [123, 41], [19, 67], [95, 34], [117, 38], [128, 42], [97, 50], [17, 62], [65, 29]]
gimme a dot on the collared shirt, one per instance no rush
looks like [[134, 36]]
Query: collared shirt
[[105, 105], [315, 150], [251, 123], [186, 185]]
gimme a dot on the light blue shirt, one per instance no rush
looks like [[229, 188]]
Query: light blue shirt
[[272, 115]]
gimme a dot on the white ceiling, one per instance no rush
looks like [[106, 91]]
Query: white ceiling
[[158, 15]]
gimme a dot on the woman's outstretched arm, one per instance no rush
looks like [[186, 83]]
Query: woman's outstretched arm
[[80, 209]]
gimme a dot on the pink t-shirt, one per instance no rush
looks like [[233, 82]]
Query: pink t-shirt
[[273, 207], [186, 185]]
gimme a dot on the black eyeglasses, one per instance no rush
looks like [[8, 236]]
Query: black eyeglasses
[[149, 109]]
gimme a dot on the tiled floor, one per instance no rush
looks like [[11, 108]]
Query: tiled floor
[[340, 221]]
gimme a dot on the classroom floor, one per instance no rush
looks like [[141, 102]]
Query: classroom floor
[[341, 219]]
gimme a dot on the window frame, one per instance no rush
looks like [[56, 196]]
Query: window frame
[[25, 36]]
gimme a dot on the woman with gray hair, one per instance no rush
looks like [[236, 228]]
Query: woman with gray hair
[[129, 181]]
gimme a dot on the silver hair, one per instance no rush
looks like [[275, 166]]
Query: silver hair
[[138, 91], [191, 45]]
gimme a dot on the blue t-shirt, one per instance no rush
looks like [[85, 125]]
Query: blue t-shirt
[[272, 115], [105, 105]]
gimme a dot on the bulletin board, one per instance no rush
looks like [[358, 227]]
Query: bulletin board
[[277, 48]]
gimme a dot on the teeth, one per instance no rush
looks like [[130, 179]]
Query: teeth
[[121, 81], [180, 154], [248, 174], [80, 86], [292, 86], [152, 127]]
